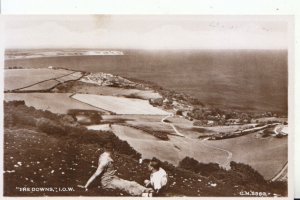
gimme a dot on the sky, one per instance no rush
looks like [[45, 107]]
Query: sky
[[146, 32]]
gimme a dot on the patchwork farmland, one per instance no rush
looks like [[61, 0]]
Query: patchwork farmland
[[21, 78]]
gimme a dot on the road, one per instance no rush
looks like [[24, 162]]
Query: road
[[174, 128], [229, 153], [282, 171], [277, 129]]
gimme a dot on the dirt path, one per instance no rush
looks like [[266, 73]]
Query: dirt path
[[174, 128], [228, 153]]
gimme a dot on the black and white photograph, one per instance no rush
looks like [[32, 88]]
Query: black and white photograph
[[146, 105]]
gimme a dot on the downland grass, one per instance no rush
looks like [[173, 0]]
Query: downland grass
[[41, 149]]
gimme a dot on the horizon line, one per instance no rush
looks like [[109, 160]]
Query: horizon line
[[146, 49]]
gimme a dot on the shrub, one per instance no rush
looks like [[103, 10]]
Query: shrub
[[50, 127], [14, 103], [201, 130], [198, 123], [156, 102], [202, 168], [179, 112], [67, 119], [81, 134], [161, 135], [23, 119], [196, 102], [249, 174], [91, 116], [9, 120]]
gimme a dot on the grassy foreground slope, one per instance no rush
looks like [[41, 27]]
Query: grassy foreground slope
[[42, 149]]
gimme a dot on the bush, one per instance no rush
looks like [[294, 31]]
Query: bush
[[161, 135], [156, 102], [67, 119], [198, 123], [249, 174], [202, 168], [50, 127], [91, 116], [17, 113], [196, 102], [81, 134], [24, 119]]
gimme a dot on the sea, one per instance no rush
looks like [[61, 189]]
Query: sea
[[250, 80]]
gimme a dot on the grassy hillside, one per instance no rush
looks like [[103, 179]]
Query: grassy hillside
[[42, 149]]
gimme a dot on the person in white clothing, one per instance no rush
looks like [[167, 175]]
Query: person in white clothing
[[158, 177], [110, 181]]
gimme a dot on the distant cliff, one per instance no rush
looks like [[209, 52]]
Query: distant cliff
[[21, 54]]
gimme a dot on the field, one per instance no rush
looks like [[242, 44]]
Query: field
[[246, 149], [153, 123], [20, 78], [53, 102], [150, 123], [267, 156], [120, 105], [89, 88], [172, 151], [41, 86], [73, 76]]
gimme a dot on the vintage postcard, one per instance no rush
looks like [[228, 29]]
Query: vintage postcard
[[147, 105]]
